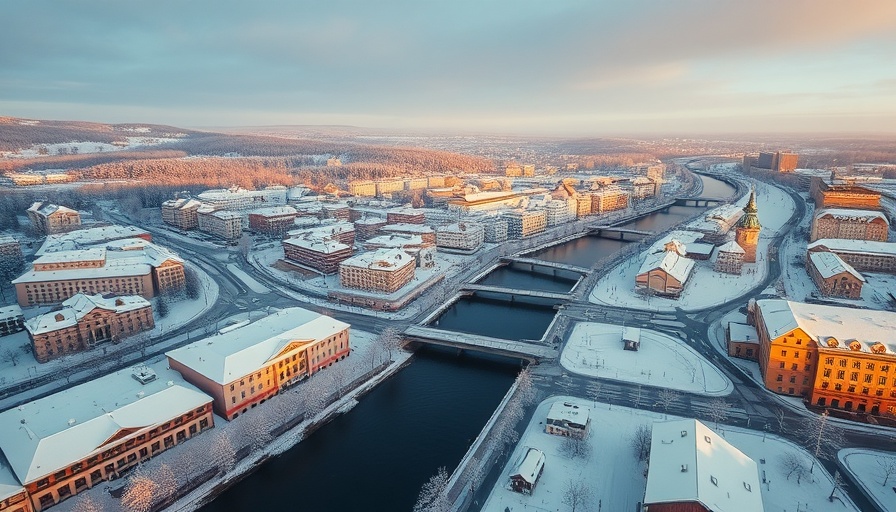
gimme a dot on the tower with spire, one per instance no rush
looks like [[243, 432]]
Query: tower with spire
[[747, 234]]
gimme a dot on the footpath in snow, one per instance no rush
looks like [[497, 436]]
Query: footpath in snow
[[616, 478], [705, 287], [595, 349], [875, 472]]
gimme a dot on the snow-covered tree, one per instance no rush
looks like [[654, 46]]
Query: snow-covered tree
[[640, 441], [390, 340], [575, 448], [10, 356], [222, 454], [821, 439], [887, 468], [140, 493], [433, 495], [84, 503], [255, 427], [792, 465], [667, 398], [718, 410], [317, 392], [473, 473], [525, 388], [166, 480], [192, 284], [576, 494]]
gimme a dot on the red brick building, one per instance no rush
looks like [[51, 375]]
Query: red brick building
[[274, 220], [833, 276], [850, 224], [321, 254]]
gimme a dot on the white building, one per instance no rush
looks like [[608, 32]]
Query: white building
[[83, 238], [220, 223], [462, 236], [239, 199], [565, 419], [692, 465]]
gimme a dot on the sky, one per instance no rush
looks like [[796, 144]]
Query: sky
[[545, 67]]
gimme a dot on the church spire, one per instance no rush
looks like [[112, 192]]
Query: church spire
[[750, 220]]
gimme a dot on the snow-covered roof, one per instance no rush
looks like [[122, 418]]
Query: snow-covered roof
[[829, 265], [45, 435], [407, 228], [530, 466], [72, 256], [10, 311], [324, 230], [226, 357], [82, 238], [396, 240], [317, 244], [831, 326], [459, 227], [5, 240], [371, 220], [9, 485], [691, 463], [742, 332], [699, 248], [381, 259], [273, 211], [566, 412], [854, 215], [224, 214], [75, 307], [181, 204], [855, 246], [670, 262], [83, 273], [46, 209], [731, 246]]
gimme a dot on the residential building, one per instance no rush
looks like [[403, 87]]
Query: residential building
[[642, 188], [655, 172], [483, 201], [368, 227], [123, 267], [778, 161], [833, 276], [495, 230], [743, 342], [528, 471], [11, 320], [568, 420], [181, 213], [583, 205], [321, 254], [224, 224], [239, 199], [243, 368], [86, 321], [341, 231], [729, 258], [462, 236], [834, 357], [850, 224], [862, 255], [11, 251], [340, 211], [513, 170], [380, 270], [68, 442], [693, 469], [387, 186], [405, 216], [716, 223], [90, 237], [747, 232], [665, 272], [425, 232], [49, 218], [435, 181], [273, 220], [524, 223], [424, 253], [609, 199], [559, 211], [843, 195], [416, 183]]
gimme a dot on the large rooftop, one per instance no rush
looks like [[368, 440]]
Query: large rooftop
[[82, 238]]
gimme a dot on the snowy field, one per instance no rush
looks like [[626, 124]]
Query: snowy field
[[595, 349], [616, 478], [875, 471], [87, 147], [706, 287]]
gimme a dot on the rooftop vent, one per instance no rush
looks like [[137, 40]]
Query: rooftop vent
[[72, 421], [144, 374], [684, 468], [684, 433]]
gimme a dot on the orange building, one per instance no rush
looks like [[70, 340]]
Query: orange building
[[843, 195], [86, 321], [849, 224], [833, 357], [50, 218], [68, 442], [833, 276], [243, 368]]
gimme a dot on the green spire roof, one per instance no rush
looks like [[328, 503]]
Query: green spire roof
[[750, 220]]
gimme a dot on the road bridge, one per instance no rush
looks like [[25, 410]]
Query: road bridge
[[619, 233], [465, 341], [700, 201], [518, 262], [516, 292]]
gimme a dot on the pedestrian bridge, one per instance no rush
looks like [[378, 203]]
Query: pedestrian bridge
[[700, 201], [516, 291], [534, 262], [619, 233], [465, 341]]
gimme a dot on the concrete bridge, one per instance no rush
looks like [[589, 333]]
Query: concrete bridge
[[516, 292], [619, 233], [519, 262], [700, 201], [464, 341]]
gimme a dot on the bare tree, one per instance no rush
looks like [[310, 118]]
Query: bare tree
[[85, 503], [474, 472], [390, 340], [781, 417], [433, 495], [820, 438], [594, 389], [255, 426], [167, 481], [222, 454], [792, 465], [887, 467], [317, 392], [575, 448], [576, 494], [10, 356], [718, 409], [525, 388], [139, 494], [640, 441], [192, 285], [667, 398]]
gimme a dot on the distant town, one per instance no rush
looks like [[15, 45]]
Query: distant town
[[693, 331]]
